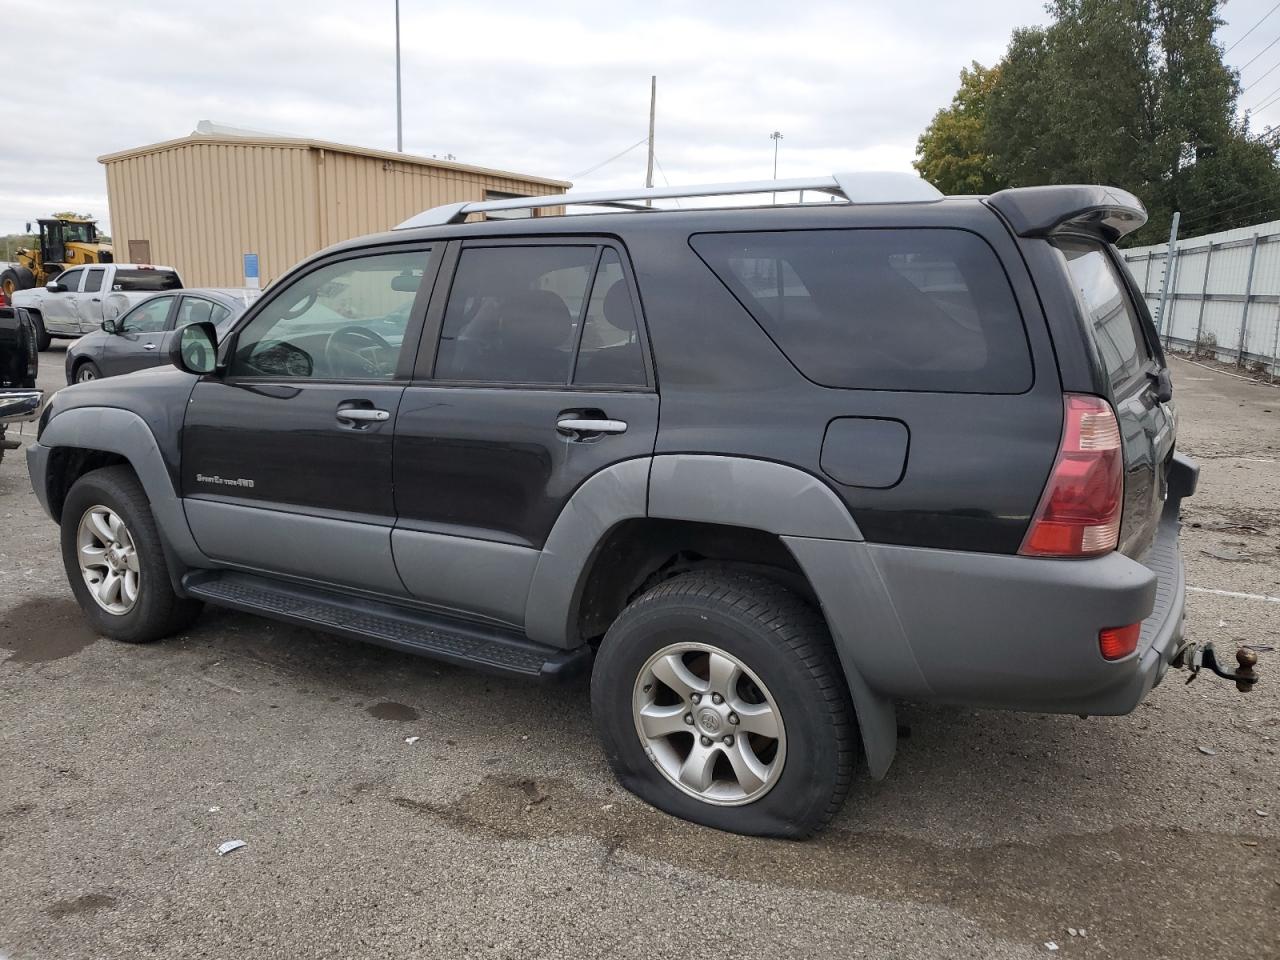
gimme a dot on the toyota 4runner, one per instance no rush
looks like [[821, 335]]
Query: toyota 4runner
[[764, 470]]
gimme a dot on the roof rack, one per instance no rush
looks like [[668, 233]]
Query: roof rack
[[854, 187]]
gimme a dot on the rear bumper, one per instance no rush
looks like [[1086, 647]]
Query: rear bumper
[[1004, 631]]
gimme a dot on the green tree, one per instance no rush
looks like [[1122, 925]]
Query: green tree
[[952, 152], [1132, 93]]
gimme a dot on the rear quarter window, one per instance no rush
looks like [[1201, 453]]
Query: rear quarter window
[[1112, 322], [880, 309]]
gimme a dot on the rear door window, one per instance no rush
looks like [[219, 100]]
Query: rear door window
[[147, 317], [1112, 320], [513, 314], [905, 309], [93, 282]]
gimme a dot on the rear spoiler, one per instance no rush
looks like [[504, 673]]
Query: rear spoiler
[[1043, 211]]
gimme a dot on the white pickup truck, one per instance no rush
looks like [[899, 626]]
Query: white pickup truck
[[78, 300]]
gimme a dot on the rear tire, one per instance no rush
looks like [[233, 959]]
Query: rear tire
[[43, 340], [687, 752], [108, 531]]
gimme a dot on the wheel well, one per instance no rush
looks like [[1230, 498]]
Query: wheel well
[[638, 554], [69, 464]]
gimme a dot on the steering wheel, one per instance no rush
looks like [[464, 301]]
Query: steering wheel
[[364, 341]]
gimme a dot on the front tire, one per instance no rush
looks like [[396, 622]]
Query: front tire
[[720, 700], [86, 371], [114, 560]]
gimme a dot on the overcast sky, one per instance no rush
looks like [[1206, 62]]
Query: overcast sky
[[552, 92]]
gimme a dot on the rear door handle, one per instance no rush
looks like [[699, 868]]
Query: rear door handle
[[148, 346], [363, 414], [581, 425]]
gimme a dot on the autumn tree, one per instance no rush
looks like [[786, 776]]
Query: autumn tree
[[952, 153], [1132, 93]]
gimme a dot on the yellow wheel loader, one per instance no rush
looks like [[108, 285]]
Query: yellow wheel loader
[[65, 242]]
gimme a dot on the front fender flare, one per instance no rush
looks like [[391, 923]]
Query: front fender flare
[[122, 432]]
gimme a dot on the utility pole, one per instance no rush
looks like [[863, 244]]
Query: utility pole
[[653, 109], [775, 137], [399, 125], [1169, 264]]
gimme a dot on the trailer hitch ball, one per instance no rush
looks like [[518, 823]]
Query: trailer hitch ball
[[1192, 657], [1246, 677]]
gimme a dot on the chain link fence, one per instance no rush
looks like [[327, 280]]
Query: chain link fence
[[1223, 300]]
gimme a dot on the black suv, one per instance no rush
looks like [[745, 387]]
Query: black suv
[[19, 363], [766, 470]]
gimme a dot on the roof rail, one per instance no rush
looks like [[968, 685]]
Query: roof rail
[[854, 187]]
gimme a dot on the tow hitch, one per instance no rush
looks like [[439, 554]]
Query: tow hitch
[[1192, 656]]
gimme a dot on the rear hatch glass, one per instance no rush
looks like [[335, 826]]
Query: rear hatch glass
[[132, 281], [1124, 339]]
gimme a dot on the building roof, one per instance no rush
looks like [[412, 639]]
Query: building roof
[[215, 134]]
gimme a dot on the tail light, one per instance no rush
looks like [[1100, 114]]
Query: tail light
[[1079, 511]]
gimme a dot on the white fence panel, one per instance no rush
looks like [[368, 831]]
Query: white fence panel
[[1224, 297]]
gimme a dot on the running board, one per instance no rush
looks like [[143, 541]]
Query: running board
[[488, 648]]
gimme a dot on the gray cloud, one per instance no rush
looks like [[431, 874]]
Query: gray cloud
[[549, 88]]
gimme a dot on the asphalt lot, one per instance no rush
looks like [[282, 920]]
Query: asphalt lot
[[500, 832]]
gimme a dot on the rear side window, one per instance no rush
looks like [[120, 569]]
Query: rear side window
[[93, 281], [513, 312], [137, 280], [919, 309], [1113, 322]]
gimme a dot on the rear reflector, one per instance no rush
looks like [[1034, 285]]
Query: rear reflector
[[1117, 642], [1079, 511]]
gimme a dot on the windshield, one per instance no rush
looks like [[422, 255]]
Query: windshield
[[133, 280], [79, 232]]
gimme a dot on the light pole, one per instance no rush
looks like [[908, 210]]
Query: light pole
[[775, 137], [399, 127]]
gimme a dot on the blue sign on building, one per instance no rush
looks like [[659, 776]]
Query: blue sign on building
[[251, 270]]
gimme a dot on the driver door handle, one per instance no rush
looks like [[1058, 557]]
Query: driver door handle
[[148, 346], [363, 414]]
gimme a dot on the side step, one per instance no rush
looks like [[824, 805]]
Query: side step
[[443, 638]]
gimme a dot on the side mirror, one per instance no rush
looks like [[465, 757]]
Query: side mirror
[[109, 326], [53, 286], [195, 348]]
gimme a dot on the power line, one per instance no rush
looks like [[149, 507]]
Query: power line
[[1262, 77], [1266, 96], [1251, 29], [664, 177], [1260, 53], [1268, 103], [602, 163], [1245, 210], [1214, 207]]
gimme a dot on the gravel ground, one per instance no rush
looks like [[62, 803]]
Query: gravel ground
[[500, 832]]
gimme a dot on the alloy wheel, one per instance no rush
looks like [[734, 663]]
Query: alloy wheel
[[709, 724], [108, 559]]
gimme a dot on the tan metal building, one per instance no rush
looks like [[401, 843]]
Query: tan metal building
[[200, 203]]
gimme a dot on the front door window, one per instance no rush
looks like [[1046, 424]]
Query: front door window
[[343, 321]]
